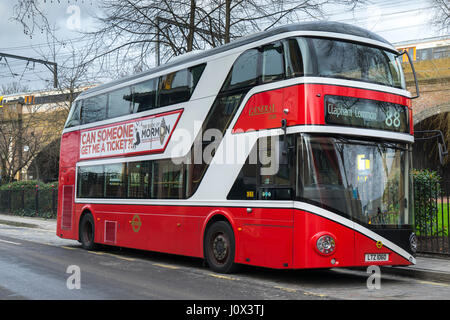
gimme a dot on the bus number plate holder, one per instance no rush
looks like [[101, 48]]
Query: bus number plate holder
[[371, 257]]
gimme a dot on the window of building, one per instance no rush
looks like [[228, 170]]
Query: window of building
[[441, 52]]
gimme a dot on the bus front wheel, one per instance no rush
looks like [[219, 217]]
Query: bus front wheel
[[219, 246], [87, 232]]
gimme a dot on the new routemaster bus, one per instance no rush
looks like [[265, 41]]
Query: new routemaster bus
[[287, 149]]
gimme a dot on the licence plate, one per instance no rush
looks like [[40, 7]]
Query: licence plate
[[377, 257]]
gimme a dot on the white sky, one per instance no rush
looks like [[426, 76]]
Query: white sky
[[396, 21]]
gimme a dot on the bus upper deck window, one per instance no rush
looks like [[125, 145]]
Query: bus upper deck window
[[195, 74], [144, 95], [174, 88], [94, 109], [119, 102], [293, 58], [74, 115], [272, 63], [244, 72]]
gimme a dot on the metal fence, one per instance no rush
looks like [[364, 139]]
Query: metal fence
[[30, 202], [431, 212]]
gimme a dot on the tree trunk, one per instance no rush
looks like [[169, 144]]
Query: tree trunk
[[190, 39], [227, 20]]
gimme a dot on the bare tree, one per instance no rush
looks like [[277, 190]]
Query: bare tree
[[30, 15], [442, 14], [131, 32], [74, 70], [24, 130], [13, 87]]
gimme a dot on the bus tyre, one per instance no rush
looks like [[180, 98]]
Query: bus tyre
[[87, 232], [219, 247]]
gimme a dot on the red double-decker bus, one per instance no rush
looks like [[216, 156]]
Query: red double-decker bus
[[289, 148]]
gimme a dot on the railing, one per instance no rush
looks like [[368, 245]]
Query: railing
[[432, 216], [30, 202]]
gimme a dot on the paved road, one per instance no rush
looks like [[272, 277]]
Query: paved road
[[34, 263]]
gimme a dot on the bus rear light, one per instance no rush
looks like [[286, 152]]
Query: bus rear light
[[324, 243]]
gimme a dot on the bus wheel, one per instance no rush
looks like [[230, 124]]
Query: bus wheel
[[87, 232], [219, 246]]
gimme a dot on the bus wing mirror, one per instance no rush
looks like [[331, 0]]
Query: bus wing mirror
[[413, 71]]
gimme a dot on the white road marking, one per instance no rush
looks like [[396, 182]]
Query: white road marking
[[10, 242]]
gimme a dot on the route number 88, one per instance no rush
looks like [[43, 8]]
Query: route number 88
[[392, 118]]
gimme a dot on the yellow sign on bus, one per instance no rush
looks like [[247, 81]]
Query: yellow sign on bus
[[1, 101]]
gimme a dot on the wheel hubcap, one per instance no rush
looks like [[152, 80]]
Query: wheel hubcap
[[220, 248]]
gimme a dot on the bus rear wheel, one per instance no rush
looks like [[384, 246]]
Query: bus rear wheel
[[219, 247], [87, 232]]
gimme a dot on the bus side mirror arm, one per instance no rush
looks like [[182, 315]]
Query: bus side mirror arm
[[284, 127], [413, 71], [442, 147]]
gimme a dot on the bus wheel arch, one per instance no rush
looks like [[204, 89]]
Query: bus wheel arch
[[86, 230], [219, 244]]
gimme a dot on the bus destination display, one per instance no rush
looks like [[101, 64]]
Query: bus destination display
[[365, 113]]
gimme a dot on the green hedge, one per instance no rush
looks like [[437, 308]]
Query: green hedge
[[29, 185], [21, 198]]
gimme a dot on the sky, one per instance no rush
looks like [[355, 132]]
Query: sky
[[396, 21]]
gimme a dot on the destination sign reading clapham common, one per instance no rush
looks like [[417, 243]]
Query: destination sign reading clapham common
[[365, 113], [148, 134]]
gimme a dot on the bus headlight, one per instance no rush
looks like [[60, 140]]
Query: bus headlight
[[413, 242], [325, 243]]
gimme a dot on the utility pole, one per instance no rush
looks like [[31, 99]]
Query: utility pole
[[20, 136], [52, 66]]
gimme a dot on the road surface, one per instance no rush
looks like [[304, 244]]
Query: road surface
[[36, 264]]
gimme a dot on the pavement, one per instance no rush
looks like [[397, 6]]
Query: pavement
[[428, 267]]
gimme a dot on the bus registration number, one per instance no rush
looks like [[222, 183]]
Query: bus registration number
[[377, 257]]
